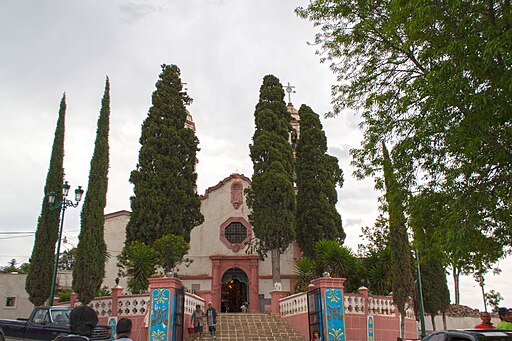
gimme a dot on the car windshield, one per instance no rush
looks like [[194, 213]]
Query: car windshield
[[60, 316]]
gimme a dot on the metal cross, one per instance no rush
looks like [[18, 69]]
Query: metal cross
[[289, 89]]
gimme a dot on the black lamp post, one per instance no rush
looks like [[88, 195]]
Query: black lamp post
[[65, 203]]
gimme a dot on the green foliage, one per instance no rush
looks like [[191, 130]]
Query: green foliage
[[398, 242], [434, 78], [23, 268], [494, 299], [376, 237], [64, 295], [104, 291], [426, 222], [444, 231], [137, 261], [378, 272], [318, 174], [12, 267], [67, 259], [171, 249], [339, 261], [91, 254], [306, 269], [39, 278], [271, 196], [165, 200], [436, 296]]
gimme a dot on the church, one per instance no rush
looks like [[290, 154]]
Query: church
[[222, 271]]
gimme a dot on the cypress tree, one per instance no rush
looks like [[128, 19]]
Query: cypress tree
[[425, 211], [40, 272], [317, 176], [401, 260], [271, 196], [91, 253], [165, 200]]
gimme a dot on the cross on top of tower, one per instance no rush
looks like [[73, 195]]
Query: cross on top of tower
[[289, 89]]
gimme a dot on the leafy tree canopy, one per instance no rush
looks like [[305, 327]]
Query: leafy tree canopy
[[171, 249], [434, 78]]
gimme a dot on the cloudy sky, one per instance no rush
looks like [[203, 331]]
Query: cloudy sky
[[223, 48]]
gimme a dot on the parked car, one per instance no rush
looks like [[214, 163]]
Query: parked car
[[469, 335], [44, 324]]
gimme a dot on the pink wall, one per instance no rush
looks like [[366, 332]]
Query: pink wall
[[386, 327], [139, 331], [358, 307], [299, 323]]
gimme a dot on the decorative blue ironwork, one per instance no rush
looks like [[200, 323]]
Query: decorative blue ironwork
[[370, 328], [160, 318], [112, 323], [335, 314]]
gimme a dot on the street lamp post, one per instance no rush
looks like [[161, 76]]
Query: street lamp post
[[65, 203]]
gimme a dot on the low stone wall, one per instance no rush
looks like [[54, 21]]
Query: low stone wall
[[294, 311], [134, 307], [453, 322]]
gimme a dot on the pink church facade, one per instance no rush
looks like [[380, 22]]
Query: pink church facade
[[222, 270]]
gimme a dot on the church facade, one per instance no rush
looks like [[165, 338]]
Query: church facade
[[223, 269]]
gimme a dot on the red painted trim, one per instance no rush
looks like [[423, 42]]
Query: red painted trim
[[191, 277], [248, 264], [222, 183]]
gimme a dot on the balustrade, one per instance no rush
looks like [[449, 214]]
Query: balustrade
[[294, 305]]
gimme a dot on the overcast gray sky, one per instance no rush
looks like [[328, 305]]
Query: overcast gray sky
[[223, 48]]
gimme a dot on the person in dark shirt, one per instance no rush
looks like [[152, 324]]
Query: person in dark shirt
[[124, 329], [82, 320]]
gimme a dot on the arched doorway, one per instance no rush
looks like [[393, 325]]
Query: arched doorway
[[234, 290]]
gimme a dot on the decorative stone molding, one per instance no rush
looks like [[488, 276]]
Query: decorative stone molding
[[235, 246], [237, 194]]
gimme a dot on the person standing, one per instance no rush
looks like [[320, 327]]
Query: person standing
[[211, 319], [197, 321], [486, 321], [124, 330], [82, 321], [316, 336], [506, 319]]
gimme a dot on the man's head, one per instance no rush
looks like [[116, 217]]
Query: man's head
[[82, 320], [486, 317], [505, 314], [508, 315], [210, 304], [124, 327]]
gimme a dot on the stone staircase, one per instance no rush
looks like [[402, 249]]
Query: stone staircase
[[252, 327]]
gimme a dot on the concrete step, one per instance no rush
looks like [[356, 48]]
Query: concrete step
[[251, 327]]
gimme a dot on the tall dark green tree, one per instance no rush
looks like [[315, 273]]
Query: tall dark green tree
[[91, 253], [318, 174], [401, 260], [425, 212], [39, 276], [165, 200], [271, 196]]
